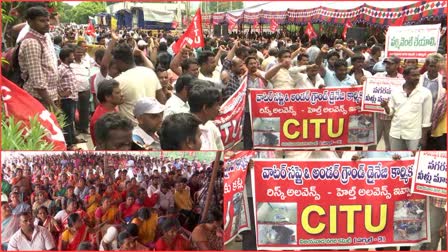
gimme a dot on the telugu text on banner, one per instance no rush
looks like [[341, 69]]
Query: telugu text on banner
[[310, 118], [337, 204]]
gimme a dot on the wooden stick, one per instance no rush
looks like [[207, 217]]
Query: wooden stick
[[211, 185]]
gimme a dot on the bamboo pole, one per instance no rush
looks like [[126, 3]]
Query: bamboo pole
[[211, 185]]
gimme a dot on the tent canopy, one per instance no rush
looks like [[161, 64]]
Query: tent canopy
[[381, 13], [338, 5]]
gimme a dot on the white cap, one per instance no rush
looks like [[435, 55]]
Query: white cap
[[141, 42], [148, 105]]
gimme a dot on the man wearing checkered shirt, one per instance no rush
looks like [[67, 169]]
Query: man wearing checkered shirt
[[36, 62], [68, 93]]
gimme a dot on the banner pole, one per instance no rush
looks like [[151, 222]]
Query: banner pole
[[211, 185]]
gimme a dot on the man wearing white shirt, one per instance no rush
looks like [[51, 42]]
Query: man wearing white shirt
[[410, 109], [204, 100], [357, 72], [207, 65], [178, 102], [310, 79], [166, 198], [31, 237], [155, 185]]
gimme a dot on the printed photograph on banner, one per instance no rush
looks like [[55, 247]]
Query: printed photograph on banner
[[336, 200], [223, 76], [277, 234], [409, 223], [114, 200], [278, 213]]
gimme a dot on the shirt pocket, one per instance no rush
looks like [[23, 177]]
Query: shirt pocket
[[415, 106]]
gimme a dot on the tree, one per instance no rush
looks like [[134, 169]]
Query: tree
[[81, 12], [222, 6], [65, 12]]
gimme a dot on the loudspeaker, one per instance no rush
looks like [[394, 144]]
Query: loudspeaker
[[357, 33]]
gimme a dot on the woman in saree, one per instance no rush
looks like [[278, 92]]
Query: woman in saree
[[42, 200], [114, 196], [92, 202], [106, 215], [209, 234], [76, 233], [172, 239], [10, 224], [47, 221], [72, 207], [146, 221]]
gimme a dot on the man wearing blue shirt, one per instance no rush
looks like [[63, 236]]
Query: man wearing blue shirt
[[339, 78]]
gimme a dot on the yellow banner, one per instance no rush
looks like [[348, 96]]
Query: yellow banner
[[113, 24]]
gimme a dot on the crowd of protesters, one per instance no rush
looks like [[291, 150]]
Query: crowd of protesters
[[436, 210], [127, 85], [84, 201]]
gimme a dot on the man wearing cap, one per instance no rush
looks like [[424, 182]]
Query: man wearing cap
[[383, 122], [141, 44], [411, 109], [149, 113]]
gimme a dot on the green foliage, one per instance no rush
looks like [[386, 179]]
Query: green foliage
[[17, 137], [5, 17], [211, 7], [65, 12], [81, 12], [60, 117]]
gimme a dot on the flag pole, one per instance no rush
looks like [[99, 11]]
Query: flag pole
[[211, 185]]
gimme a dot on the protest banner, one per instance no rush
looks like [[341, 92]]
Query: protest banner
[[337, 204], [377, 89], [310, 118], [236, 207], [412, 42], [430, 174], [231, 117]]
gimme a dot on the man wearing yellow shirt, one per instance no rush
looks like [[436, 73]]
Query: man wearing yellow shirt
[[182, 197], [183, 202]]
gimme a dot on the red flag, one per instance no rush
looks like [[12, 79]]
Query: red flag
[[398, 22], [174, 24], [193, 36], [22, 106], [90, 29], [231, 118], [310, 31], [255, 24], [347, 25], [273, 26], [232, 24]]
